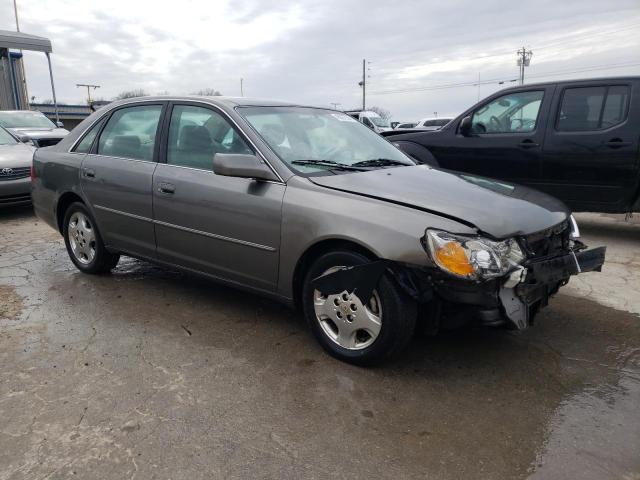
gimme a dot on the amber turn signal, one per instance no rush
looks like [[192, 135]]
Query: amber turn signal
[[451, 256]]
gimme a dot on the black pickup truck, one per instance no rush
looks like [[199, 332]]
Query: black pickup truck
[[576, 140]]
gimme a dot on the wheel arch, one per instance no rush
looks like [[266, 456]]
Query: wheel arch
[[417, 152], [315, 251], [64, 201]]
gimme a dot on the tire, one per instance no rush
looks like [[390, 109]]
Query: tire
[[396, 311], [84, 243]]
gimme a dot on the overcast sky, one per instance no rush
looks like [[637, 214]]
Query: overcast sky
[[311, 51]]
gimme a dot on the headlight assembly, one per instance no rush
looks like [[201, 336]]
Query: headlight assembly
[[473, 258]]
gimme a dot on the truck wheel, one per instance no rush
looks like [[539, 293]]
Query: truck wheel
[[357, 330], [83, 241]]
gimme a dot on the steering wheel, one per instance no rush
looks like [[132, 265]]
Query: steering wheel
[[495, 122]]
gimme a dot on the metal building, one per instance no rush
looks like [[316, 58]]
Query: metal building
[[13, 93]]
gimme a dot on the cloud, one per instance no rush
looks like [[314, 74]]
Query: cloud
[[311, 51]]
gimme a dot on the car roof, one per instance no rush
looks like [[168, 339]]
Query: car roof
[[219, 100], [574, 80]]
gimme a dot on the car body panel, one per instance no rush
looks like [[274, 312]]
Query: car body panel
[[120, 195], [225, 226], [522, 210]]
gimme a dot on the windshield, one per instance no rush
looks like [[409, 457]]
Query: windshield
[[25, 120], [6, 138], [310, 135], [380, 122]]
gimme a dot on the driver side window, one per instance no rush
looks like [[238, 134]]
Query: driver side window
[[512, 113]]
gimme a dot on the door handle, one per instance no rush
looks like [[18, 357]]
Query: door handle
[[528, 144], [89, 172], [616, 143], [167, 188]]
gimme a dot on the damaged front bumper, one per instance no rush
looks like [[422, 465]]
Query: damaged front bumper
[[513, 300], [529, 287]]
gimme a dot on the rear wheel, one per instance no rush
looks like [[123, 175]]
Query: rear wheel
[[353, 329], [84, 243]]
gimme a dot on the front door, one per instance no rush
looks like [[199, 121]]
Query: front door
[[591, 147], [227, 227], [505, 140], [117, 178]]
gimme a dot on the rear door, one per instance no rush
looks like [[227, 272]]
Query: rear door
[[506, 138], [117, 177], [591, 146], [227, 227]]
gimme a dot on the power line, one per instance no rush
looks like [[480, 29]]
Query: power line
[[568, 39], [501, 80]]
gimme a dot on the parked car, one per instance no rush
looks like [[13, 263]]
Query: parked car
[[307, 206], [577, 140], [401, 126], [371, 119], [432, 123], [15, 166], [32, 127]]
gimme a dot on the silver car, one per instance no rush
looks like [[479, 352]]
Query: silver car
[[15, 166], [310, 207], [32, 127]]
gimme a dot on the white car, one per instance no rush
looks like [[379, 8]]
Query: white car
[[432, 123], [405, 125]]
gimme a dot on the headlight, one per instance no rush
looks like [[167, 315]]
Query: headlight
[[474, 258]]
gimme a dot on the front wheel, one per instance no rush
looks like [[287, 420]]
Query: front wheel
[[357, 330], [83, 241]]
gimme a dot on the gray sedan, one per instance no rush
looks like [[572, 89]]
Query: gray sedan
[[15, 165], [308, 206]]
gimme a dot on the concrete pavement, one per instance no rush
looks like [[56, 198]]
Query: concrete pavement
[[149, 373]]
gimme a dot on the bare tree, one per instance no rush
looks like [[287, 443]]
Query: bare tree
[[386, 114], [207, 92], [131, 94], [48, 101]]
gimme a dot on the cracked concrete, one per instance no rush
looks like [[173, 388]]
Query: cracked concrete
[[149, 373]]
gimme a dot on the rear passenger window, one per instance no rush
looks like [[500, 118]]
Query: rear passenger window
[[592, 108], [131, 133], [196, 134], [85, 144]]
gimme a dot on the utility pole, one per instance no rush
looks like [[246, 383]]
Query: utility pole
[[524, 59], [89, 87], [241, 87], [335, 105], [363, 84]]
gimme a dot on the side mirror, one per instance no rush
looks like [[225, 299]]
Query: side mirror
[[465, 126], [241, 165], [59, 124]]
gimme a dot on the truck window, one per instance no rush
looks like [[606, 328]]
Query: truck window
[[592, 108], [512, 113]]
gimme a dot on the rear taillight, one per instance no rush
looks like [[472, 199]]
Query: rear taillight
[[32, 173]]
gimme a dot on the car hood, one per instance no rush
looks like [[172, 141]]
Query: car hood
[[41, 132], [16, 155], [494, 207]]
